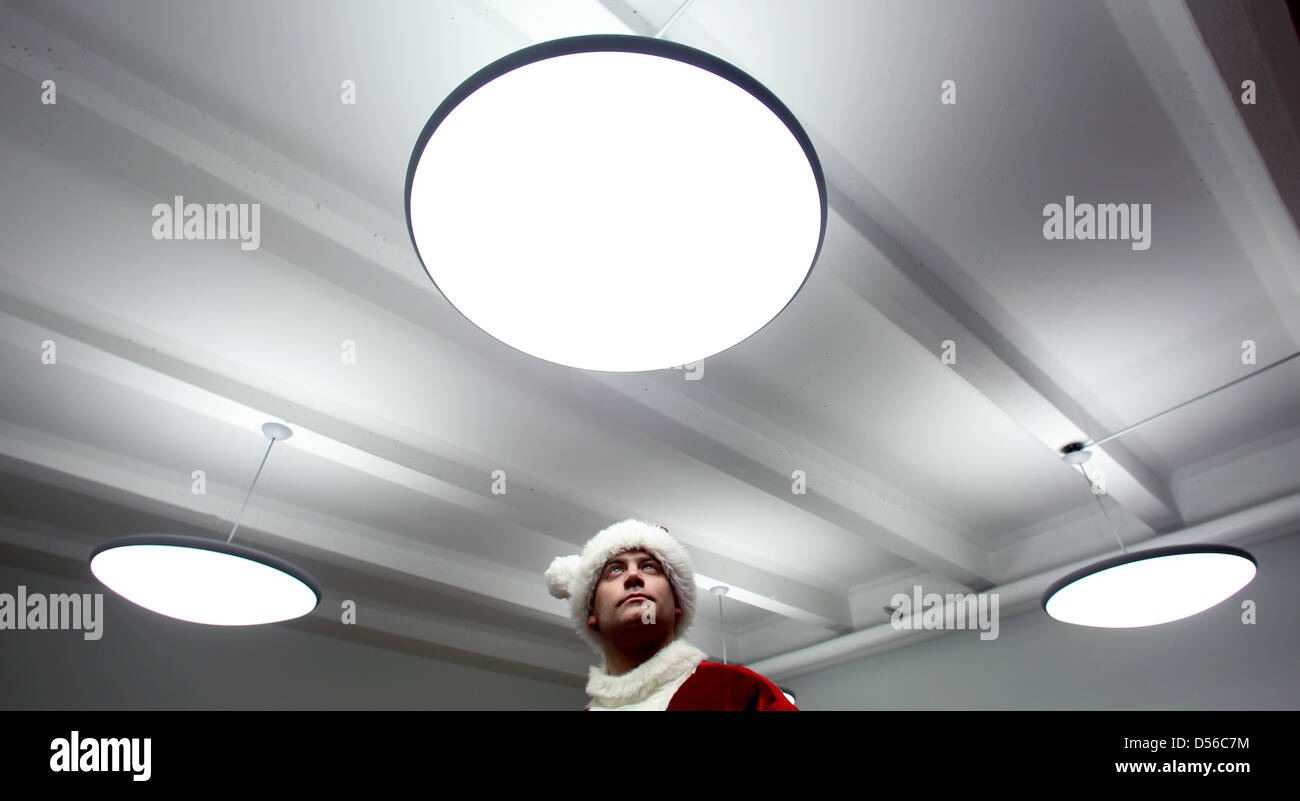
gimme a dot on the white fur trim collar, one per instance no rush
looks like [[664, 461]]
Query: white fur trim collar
[[673, 661]]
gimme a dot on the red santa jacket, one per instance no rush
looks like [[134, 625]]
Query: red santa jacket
[[727, 688], [714, 687]]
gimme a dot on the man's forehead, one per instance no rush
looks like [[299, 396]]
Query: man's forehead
[[633, 553]]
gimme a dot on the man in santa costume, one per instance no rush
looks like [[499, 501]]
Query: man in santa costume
[[632, 596]]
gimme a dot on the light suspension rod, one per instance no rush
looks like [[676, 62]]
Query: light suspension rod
[[1107, 438], [1098, 495], [274, 431], [720, 591], [664, 28]]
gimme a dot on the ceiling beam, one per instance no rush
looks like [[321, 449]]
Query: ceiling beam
[[435, 469]]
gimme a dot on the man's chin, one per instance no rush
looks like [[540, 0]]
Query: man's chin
[[631, 623]]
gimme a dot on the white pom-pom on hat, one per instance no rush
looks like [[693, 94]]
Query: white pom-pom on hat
[[559, 576]]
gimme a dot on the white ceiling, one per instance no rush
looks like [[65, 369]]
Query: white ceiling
[[171, 354]]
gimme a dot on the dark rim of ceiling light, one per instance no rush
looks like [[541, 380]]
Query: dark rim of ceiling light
[[1141, 556], [218, 546]]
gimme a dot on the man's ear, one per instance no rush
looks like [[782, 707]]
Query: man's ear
[[591, 621]]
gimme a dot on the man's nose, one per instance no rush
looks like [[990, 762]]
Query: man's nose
[[632, 577]]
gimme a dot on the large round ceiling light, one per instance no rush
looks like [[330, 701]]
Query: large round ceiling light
[[615, 203], [199, 580], [204, 581], [1147, 588]]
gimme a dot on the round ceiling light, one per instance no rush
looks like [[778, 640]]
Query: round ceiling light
[[615, 203], [204, 581], [1150, 587]]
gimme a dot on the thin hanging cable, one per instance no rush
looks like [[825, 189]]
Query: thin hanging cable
[[1098, 495], [250, 490], [1092, 443], [723, 625], [659, 34]]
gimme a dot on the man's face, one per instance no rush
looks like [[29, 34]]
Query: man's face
[[628, 582]]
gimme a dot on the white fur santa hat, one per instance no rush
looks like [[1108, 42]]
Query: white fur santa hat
[[575, 577]]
